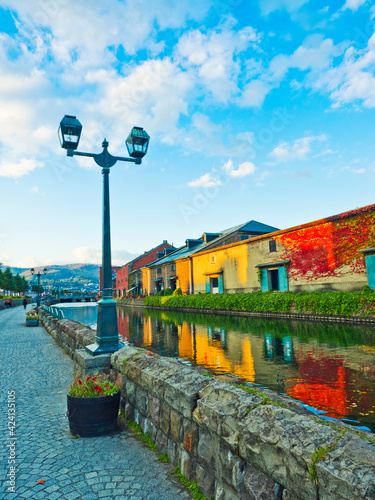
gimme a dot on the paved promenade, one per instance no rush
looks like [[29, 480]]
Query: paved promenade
[[110, 467]]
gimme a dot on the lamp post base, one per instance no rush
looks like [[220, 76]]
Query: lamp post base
[[107, 338], [104, 348]]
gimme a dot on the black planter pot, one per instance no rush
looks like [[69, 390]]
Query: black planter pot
[[93, 416]]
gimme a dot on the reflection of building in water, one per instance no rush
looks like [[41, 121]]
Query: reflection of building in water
[[278, 348], [123, 324], [217, 349], [327, 384], [147, 331], [324, 385]]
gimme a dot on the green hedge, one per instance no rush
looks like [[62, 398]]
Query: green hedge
[[336, 303]]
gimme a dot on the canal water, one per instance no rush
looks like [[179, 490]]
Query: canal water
[[329, 368]]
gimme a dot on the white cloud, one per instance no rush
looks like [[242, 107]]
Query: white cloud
[[28, 262], [206, 180], [326, 152], [243, 170], [254, 94], [354, 4], [153, 93], [15, 170], [211, 58], [298, 150], [315, 54], [86, 36], [94, 256], [355, 170]]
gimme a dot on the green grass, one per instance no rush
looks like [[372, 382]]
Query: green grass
[[164, 457], [191, 486], [319, 455], [145, 438], [265, 399]]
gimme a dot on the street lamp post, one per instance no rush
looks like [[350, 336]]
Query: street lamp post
[[38, 275], [107, 338]]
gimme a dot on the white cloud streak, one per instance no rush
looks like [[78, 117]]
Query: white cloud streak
[[298, 150]]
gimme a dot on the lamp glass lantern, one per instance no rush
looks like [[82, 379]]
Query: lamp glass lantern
[[69, 132], [137, 142]]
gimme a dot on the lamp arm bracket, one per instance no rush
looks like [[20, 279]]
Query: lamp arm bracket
[[104, 159]]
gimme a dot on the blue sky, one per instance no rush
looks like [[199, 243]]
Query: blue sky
[[256, 110]]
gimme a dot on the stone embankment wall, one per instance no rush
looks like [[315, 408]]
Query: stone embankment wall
[[16, 302], [235, 444], [68, 334]]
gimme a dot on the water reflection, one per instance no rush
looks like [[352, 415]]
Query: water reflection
[[330, 367]]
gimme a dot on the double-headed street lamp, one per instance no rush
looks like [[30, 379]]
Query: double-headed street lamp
[[107, 338], [38, 275]]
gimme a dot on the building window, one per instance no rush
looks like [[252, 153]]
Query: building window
[[213, 258], [245, 237], [272, 244], [173, 267], [158, 271]]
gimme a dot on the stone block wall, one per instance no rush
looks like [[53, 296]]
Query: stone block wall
[[240, 445], [70, 335], [16, 302]]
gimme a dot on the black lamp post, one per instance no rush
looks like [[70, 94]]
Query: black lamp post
[[107, 337], [38, 275]]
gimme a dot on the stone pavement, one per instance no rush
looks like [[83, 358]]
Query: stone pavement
[[110, 467]]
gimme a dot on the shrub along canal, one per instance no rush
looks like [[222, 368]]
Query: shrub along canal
[[330, 368]]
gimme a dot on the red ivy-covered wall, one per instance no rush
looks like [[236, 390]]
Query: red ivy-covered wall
[[321, 250]]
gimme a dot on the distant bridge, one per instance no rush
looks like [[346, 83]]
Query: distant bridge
[[73, 297], [91, 297]]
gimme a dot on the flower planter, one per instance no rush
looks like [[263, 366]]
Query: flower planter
[[93, 416], [32, 322]]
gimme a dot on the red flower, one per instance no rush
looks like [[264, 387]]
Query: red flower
[[80, 382], [94, 378], [97, 388], [88, 378], [107, 386]]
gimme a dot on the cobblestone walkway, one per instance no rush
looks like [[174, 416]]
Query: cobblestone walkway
[[110, 467]]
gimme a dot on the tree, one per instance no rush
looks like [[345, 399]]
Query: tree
[[25, 284], [34, 288], [9, 280], [2, 280], [17, 283]]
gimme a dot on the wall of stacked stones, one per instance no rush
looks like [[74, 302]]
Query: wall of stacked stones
[[69, 335], [234, 444], [16, 302]]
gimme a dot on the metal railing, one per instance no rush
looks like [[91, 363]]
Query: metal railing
[[53, 311]]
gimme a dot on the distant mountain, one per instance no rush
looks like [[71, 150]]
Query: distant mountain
[[67, 276]]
